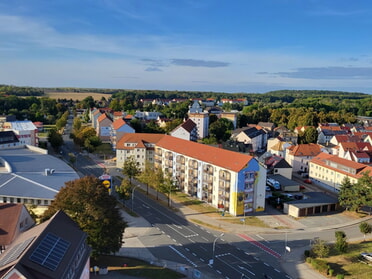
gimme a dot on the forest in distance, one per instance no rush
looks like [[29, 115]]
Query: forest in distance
[[290, 108]]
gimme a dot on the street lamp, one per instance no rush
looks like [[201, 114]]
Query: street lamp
[[214, 248], [133, 195]]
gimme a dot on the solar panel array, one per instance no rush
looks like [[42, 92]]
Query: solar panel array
[[50, 252], [15, 252]]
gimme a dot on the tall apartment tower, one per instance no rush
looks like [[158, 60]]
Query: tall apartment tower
[[200, 118]]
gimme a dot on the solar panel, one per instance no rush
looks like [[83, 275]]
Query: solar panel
[[15, 252], [50, 251]]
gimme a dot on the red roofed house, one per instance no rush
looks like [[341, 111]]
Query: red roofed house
[[298, 156], [330, 170], [355, 151], [14, 219], [231, 181], [187, 131], [103, 129], [140, 146], [118, 129]]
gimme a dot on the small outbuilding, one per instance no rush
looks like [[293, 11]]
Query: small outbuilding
[[287, 185], [312, 203]]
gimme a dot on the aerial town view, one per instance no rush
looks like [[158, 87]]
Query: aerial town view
[[185, 139]]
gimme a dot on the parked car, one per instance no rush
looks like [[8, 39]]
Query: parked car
[[308, 181], [367, 256]]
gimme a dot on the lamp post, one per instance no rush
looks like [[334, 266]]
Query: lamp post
[[214, 248], [133, 195]]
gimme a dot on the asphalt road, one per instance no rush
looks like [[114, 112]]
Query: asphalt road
[[211, 253]]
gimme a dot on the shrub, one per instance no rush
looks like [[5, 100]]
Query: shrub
[[320, 265], [307, 253], [341, 244], [330, 272], [308, 260], [339, 276]]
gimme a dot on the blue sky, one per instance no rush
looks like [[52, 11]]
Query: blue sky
[[204, 45]]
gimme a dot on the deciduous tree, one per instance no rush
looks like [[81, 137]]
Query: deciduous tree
[[131, 169], [365, 228], [89, 204]]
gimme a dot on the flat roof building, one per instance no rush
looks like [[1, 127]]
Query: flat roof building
[[31, 176]]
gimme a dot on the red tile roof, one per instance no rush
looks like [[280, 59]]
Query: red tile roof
[[216, 156], [354, 146], [118, 123], [310, 149], [139, 139], [323, 158]]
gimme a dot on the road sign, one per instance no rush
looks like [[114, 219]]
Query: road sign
[[106, 181], [106, 184]]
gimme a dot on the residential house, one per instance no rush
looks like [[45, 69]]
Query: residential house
[[94, 114], [330, 171], [54, 249], [118, 129], [337, 139], [325, 135], [139, 146], [14, 219], [162, 121], [346, 149], [103, 130], [147, 115], [251, 135], [268, 127], [276, 165], [277, 146], [298, 156], [230, 181], [187, 131], [286, 135]]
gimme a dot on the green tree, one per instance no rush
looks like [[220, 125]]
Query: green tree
[[131, 169], [320, 249], [365, 228], [221, 129], [147, 175], [353, 196], [89, 204], [341, 244], [310, 135], [55, 139], [76, 125], [124, 190], [167, 186], [346, 195]]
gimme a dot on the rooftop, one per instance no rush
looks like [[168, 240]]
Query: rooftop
[[25, 177]]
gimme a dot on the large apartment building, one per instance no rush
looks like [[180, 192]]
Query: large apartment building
[[231, 181], [140, 146]]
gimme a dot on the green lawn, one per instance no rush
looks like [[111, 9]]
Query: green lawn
[[135, 267], [351, 264]]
